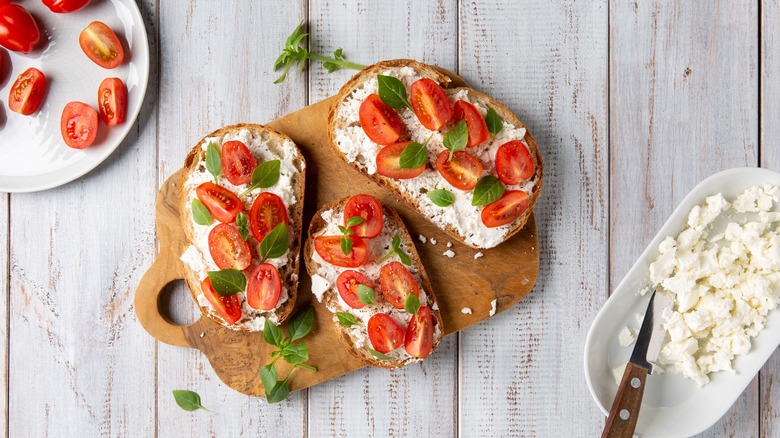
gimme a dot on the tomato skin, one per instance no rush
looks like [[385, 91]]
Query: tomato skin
[[227, 307], [369, 208], [347, 284], [267, 212], [462, 171], [418, 341], [112, 101], [430, 104], [329, 248], [101, 45], [223, 204], [27, 92], [18, 29], [388, 159], [478, 130], [514, 163], [397, 283], [506, 209], [380, 122], [78, 125], [228, 249], [384, 333], [238, 163], [65, 6], [264, 287]]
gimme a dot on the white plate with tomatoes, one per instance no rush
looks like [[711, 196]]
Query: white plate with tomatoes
[[33, 151]]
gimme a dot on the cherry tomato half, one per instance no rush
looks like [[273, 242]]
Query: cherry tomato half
[[462, 171], [65, 6], [112, 101], [18, 30], [79, 125], [397, 283], [227, 307], [238, 163], [506, 209], [101, 45], [367, 207], [380, 122], [267, 212], [430, 104], [478, 130], [418, 341], [264, 287], [347, 283], [514, 163], [384, 333], [329, 248], [27, 92], [228, 249], [223, 204], [388, 163]]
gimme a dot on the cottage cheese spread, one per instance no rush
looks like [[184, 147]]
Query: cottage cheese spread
[[723, 285], [464, 217], [197, 256]]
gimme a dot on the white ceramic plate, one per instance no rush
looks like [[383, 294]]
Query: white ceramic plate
[[672, 405], [32, 154]]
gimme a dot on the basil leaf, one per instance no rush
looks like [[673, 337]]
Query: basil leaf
[[213, 160], [441, 197], [269, 376], [242, 223], [346, 231], [377, 354], [200, 214], [296, 353], [272, 334], [414, 155], [396, 242], [488, 190], [188, 400], [227, 281], [392, 92], [493, 122], [457, 138], [347, 319], [278, 393], [275, 243], [266, 174], [301, 323], [405, 259], [355, 220], [366, 295], [412, 304], [346, 245]]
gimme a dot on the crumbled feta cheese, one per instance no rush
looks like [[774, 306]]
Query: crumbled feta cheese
[[465, 311], [626, 337], [493, 307], [449, 244], [478, 255], [433, 241], [449, 253], [319, 285], [422, 238]]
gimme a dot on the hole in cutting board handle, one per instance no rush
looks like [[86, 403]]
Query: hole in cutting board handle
[[176, 305]]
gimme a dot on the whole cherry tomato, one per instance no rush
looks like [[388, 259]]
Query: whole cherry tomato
[[18, 30]]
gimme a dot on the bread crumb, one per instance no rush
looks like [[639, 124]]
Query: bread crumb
[[493, 307], [449, 253], [449, 244], [422, 238], [433, 241], [478, 255], [465, 311], [202, 334]]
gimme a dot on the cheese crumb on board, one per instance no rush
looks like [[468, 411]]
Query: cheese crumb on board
[[493, 307], [449, 253], [449, 244], [465, 311], [422, 238], [433, 241], [478, 255], [626, 337]]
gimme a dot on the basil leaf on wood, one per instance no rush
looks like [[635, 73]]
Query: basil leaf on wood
[[275, 243], [392, 92], [269, 376], [488, 190], [272, 334], [441, 197], [200, 214], [227, 281], [301, 323], [213, 161], [295, 354], [278, 393], [457, 137], [414, 155]]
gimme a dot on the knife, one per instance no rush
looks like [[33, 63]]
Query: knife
[[623, 416]]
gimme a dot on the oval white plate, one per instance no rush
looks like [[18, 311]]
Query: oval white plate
[[672, 405], [32, 154]]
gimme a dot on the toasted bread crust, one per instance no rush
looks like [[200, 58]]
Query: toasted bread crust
[[330, 297]]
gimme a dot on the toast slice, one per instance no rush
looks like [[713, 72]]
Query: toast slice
[[325, 223], [265, 144], [461, 220]]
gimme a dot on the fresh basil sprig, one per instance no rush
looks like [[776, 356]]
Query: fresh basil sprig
[[242, 224], [347, 319], [213, 161], [227, 281], [299, 326], [392, 92], [201, 214], [395, 248], [441, 197], [488, 190], [346, 241], [377, 354], [188, 400], [493, 122], [412, 304], [366, 294], [265, 175], [275, 243], [456, 138]]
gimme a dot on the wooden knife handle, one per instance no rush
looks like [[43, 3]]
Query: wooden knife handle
[[625, 409]]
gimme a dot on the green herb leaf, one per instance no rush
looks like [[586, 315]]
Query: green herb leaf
[[269, 376], [227, 281], [488, 190], [272, 334], [412, 304], [301, 323], [377, 354], [242, 223], [441, 197], [265, 175], [347, 319], [213, 160], [494, 123], [346, 245], [457, 138], [188, 400], [392, 92], [355, 220], [275, 243], [296, 354], [200, 214], [414, 155], [405, 259], [278, 393], [366, 295], [346, 231], [395, 248]]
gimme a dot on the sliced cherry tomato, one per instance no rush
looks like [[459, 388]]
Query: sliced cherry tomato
[[367, 207], [65, 6], [264, 287], [430, 104], [418, 341], [227, 307], [384, 333], [238, 163], [267, 212], [506, 209], [388, 163], [101, 45], [228, 249], [514, 163], [397, 283], [78, 125], [380, 122], [18, 30], [478, 130], [347, 283], [112, 101], [27, 92], [462, 171], [223, 204], [329, 248]]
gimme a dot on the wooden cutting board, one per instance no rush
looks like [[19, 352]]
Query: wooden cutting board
[[506, 273]]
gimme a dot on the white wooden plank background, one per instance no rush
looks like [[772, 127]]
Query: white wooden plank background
[[631, 102]]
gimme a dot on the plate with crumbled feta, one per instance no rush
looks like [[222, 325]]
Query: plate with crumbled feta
[[718, 259]]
